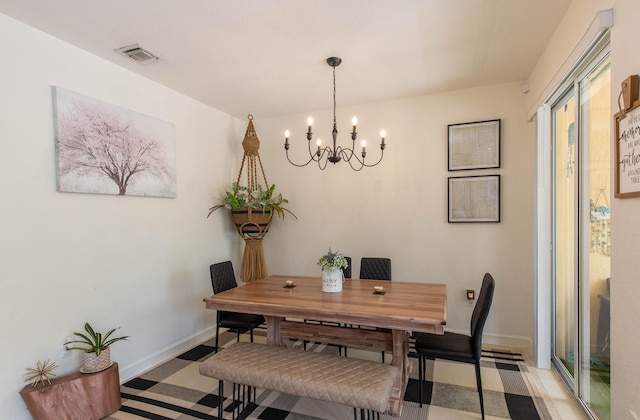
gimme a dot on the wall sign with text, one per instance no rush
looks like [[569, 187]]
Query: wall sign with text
[[627, 152]]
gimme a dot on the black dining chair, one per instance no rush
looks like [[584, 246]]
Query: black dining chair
[[347, 271], [223, 278], [459, 347], [375, 268]]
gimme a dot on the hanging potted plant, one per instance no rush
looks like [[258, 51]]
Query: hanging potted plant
[[252, 211], [332, 264], [96, 354], [252, 206]]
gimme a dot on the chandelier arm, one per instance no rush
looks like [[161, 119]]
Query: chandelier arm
[[313, 154], [349, 159], [353, 155], [344, 151], [300, 165], [324, 151], [374, 164], [321, 166]]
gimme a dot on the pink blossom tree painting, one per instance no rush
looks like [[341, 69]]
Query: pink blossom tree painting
[[105, 149]]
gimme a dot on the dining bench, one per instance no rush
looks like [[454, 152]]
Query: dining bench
[[361, 384]]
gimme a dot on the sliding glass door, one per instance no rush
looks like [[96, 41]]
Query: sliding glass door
[[581, 120]]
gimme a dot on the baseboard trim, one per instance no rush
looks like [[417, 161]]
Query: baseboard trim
[[523, 344], [515, 342], [138, 368]]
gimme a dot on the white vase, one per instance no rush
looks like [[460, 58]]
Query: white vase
[[332, 279]]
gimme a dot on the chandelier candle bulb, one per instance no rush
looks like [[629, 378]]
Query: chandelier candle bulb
[[309, 133], [286, 139]]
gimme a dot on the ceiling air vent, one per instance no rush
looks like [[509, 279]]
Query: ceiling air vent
[[137, 53]]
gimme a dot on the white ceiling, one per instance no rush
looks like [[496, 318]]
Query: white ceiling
[[267, 57]]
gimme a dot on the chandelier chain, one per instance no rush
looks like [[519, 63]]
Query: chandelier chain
[[334, 96]]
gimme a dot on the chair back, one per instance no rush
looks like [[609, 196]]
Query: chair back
[[481, 312], [347, 271], [222, 277], [375, 268]]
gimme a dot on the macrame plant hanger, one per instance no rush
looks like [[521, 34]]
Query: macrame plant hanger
[[252, 224]]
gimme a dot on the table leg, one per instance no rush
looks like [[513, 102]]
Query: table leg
[[402, 362], [273, 330]]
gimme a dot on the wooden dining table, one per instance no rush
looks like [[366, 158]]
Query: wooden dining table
[[355, 317]]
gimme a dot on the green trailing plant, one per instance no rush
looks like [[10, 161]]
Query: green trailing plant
[[260, 198], [95, 342], [332, 260]]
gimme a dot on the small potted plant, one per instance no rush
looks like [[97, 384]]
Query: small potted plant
[[96, 354], [332, 264]]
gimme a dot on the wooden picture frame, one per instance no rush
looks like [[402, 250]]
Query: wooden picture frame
[[474, 145], [626, 158], [474, 199]]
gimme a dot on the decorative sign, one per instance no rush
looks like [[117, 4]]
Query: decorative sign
[[627, 152]]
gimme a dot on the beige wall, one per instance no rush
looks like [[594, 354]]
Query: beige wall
[[131, 262], [625, 231], [565, 41], [399, 208]]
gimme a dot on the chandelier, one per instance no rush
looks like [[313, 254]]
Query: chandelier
[[335, 154]]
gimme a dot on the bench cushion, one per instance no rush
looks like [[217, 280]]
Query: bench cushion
[[353, 382]]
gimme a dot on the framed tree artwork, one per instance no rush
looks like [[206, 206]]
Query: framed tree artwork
[[474, 199], [106, 149], [474, 145]]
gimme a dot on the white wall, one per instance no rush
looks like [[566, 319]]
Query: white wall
[[399, 208], [131, 262]]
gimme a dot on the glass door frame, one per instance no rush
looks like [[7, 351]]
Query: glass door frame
[[561, 101], [579, 385]]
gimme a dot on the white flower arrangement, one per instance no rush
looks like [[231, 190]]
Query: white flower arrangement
[[332, 260]]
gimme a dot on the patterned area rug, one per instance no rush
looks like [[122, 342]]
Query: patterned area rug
[[176, 390]]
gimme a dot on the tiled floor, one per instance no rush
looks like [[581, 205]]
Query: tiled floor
[[556, 395]]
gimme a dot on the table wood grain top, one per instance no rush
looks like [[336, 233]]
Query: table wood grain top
[[405, 306]]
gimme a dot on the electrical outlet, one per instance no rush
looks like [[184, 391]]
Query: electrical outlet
[[471, 297], [64, 351]]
